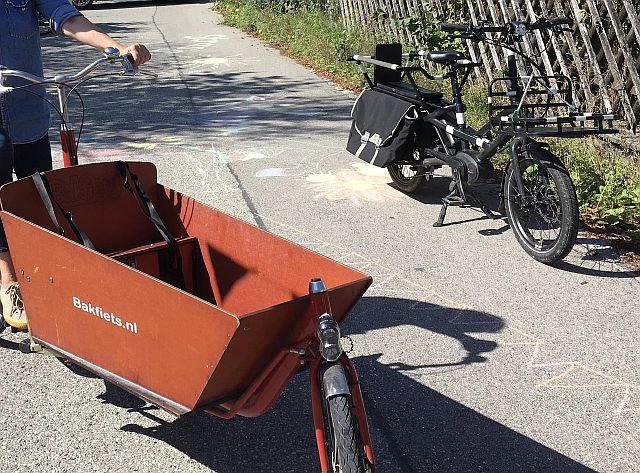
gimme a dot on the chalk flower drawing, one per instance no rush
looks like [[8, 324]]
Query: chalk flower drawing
[[364, 183]]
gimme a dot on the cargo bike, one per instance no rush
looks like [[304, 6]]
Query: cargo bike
[[110, 263], [413, 131]]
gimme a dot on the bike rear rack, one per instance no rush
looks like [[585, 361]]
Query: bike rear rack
[[544, 108]]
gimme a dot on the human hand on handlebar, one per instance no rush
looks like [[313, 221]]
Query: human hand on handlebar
[[138, 52], [81, 29]]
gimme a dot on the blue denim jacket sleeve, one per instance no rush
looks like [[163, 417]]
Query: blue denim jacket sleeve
[[57, 12], [25, 115]]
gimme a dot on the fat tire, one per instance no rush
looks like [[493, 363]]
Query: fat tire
[[569, 218], [408, 185], [346, 441]]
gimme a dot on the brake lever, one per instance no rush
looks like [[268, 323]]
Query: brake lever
[[127, 64]]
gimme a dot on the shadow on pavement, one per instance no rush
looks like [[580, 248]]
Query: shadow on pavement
[[599, 259], [415, 428], [198, 102], [600, 269], [374, 313], [438, 187], [8, 344]]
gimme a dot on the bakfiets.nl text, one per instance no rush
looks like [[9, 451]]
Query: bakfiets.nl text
[[104, 315]]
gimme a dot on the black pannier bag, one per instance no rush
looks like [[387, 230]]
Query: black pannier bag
[[382, 128]]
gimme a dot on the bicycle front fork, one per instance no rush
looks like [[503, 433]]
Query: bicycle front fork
[[68, 141], [67, 135]]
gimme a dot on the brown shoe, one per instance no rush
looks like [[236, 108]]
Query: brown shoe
[[12, 307]]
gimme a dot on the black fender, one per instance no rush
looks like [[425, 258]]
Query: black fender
[[539, 153]]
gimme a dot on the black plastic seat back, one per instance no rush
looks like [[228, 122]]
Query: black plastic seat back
[[388, 53]]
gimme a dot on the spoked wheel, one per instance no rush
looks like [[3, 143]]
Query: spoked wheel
[[408, 177], [346, 449], [545, 218]]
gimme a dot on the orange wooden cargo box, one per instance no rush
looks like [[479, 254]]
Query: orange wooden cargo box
[[223, 344]]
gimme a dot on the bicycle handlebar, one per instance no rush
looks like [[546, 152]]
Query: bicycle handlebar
[[111, 55], [453, 28], [375, 62], [561, 20]]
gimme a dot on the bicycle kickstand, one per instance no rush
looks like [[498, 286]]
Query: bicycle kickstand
[[456, 197]]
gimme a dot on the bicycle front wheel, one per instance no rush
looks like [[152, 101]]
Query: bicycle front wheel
[[544, 219]]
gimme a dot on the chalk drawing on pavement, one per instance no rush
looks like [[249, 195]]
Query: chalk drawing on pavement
[[153, 142], [271, 172], [205, 65], [201, 42], [361, 184], [89, 153]]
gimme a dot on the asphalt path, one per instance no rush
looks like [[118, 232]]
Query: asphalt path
[[472, 356]]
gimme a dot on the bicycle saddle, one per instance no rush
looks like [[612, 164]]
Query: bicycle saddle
[[444, 57]]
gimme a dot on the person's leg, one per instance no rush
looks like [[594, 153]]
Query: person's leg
[[26, 159], [32, 157], [6, 176], [12, 307]]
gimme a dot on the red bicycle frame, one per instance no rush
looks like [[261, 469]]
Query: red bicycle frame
[[67, 134]]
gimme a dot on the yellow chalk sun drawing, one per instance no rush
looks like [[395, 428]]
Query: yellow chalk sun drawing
[[362, 184], [369, 170]]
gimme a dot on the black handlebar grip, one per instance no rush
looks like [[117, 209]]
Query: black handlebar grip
[[561, 20], [452, 28]]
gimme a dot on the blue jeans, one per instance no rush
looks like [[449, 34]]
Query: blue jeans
[[25, 159]]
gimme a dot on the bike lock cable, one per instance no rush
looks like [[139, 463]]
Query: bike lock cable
[[25, 87], [73, 90]]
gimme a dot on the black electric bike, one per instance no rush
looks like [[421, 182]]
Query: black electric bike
[[537, 194]]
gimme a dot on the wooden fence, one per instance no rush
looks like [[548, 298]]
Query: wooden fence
[[601, 54]]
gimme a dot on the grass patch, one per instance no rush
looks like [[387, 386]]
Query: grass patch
[[607, 178]]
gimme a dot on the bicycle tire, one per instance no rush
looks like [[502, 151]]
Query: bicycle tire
[[347, 446], [550, 205], [408, 180]]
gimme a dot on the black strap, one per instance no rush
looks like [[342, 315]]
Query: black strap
[[152, 214], [42, 185]]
